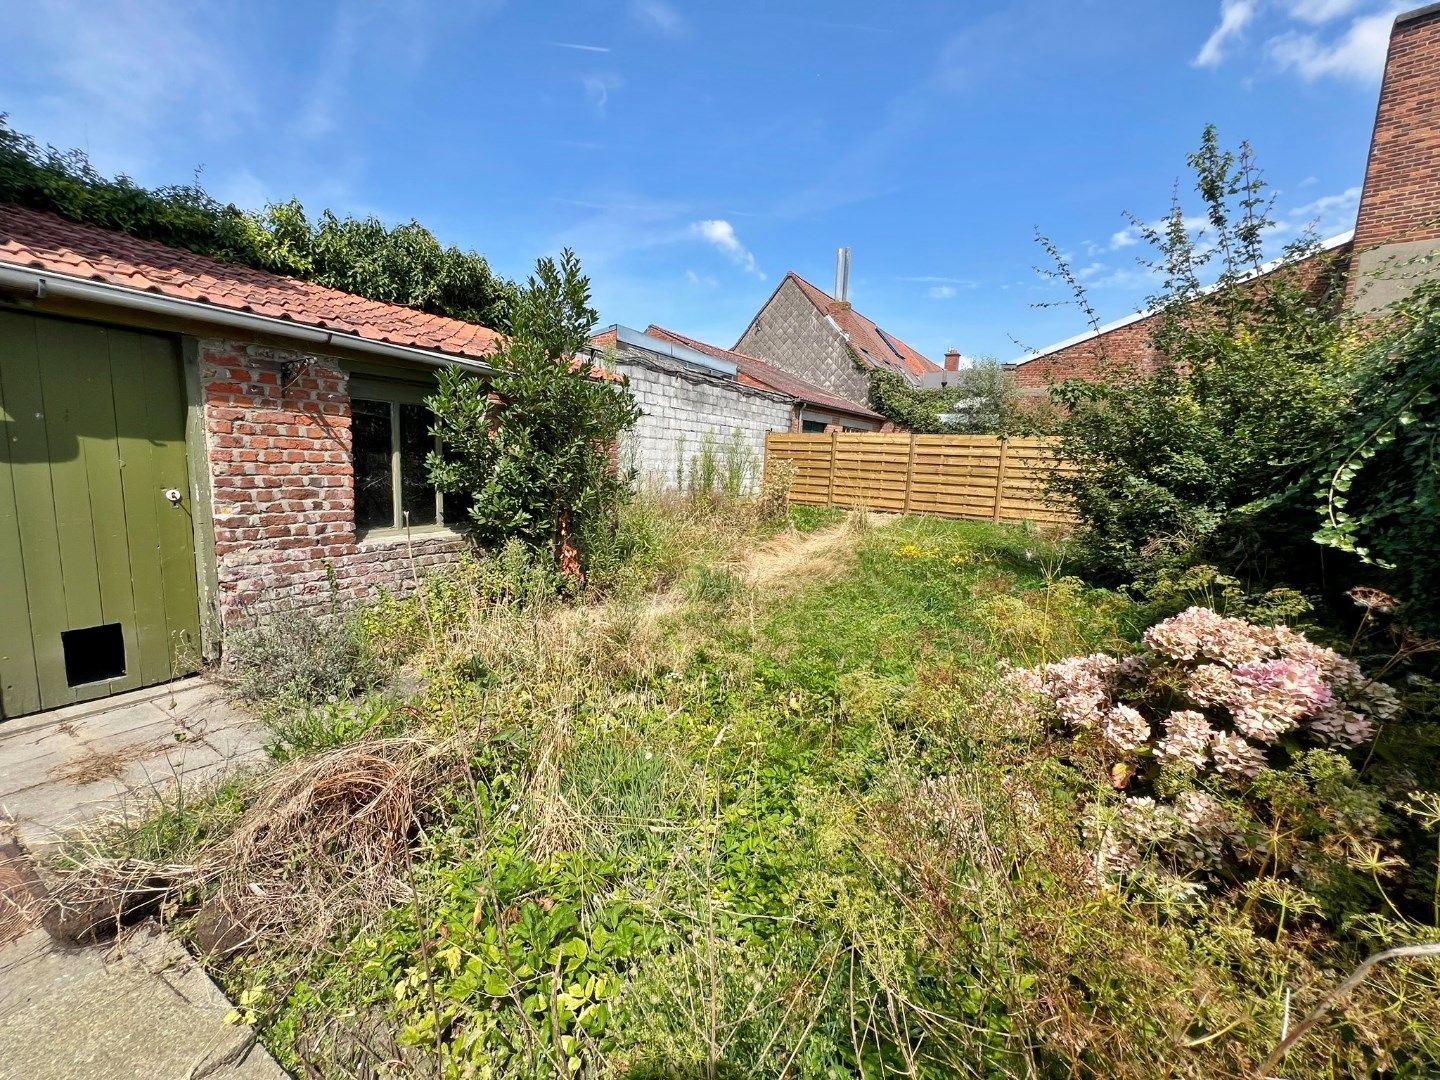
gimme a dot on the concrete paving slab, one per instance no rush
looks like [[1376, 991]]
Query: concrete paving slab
[[62, 768], [145, 1009]]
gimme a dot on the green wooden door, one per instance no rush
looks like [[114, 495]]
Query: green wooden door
[[97, 564]]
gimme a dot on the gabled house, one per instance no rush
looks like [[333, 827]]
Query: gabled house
[[693, 396], [184, 442], [805, 332]]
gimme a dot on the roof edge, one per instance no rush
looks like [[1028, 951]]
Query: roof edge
[[1418, 13], [43, 283], [1339, 240]]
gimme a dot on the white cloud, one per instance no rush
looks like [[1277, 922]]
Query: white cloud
[[1320, 11], [1359, 53], [122, 77], [1235, 16], [706, 280], [659, 16], [1125, 238], [578, 46], [722, 234], [940, 292], [598, 89]]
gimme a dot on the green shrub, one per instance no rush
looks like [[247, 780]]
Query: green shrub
[[1380, 488], [401, 265], [534, 456], [1184, 462], [298, 657]]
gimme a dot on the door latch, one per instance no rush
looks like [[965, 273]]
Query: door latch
[[173, 496]]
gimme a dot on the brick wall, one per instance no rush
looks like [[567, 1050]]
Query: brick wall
[[794, 336], [283, 488], [1399, 215], [1131, 344], [681, 407]]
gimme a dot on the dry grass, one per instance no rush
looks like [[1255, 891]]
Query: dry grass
[[95, 764], [323, 839]]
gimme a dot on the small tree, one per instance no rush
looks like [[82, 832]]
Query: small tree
[[982, 395], [1188, 458], [535, 450]]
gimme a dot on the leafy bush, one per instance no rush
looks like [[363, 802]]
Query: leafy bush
[[1227, 739], [405, 265], [300, 657], [535, 455], [983, 394], [1380, 488], [1182, 461]]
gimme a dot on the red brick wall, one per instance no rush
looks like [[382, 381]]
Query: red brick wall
[[1131, 344], [1124, 345], [1401, 198], [283, 488]]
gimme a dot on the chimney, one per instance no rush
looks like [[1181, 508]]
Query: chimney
[[952, 360], [1399, 215], [842, 277]]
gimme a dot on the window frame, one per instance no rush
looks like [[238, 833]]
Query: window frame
[[394, 395]]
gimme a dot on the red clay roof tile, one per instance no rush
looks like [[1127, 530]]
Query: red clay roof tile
[[44, 241]]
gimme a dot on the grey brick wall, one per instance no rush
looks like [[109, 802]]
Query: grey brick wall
[[794, 335], [681, 406]]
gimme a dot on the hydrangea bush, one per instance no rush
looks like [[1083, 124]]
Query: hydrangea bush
[[1227, 742]]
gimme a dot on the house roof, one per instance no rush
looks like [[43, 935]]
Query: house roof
[[752, 371], [39, 240], [875, 347]]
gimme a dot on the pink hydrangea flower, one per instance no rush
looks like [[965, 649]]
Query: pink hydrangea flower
[[1187, 738], [1198, 632], [1124, 728], [1234, 755]]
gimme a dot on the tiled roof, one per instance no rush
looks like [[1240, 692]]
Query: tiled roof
[[43, 241], [875, 347], [752, 371]]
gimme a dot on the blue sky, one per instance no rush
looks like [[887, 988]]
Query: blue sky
[[693, 153]]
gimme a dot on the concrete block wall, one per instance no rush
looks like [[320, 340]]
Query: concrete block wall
[[680, 407], [791, 333], [283, 489]]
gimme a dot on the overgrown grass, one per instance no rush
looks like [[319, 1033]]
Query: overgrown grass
[[765, 810]]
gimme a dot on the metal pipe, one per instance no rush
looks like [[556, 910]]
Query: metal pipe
[[44, 285]]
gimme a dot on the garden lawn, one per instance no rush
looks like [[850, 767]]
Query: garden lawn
[[765, 810]]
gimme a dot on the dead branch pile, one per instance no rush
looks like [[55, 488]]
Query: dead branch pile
[[323, 839]]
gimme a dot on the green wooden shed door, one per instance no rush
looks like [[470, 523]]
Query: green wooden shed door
[[97, 564]]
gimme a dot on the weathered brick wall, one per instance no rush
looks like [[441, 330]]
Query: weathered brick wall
[[680, 408], [1399, 215], [283, 488], [1124, 345], [794, 335], [1132, 345]]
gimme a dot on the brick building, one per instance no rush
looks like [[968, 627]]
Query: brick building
[[1397, 225], [823, 340], [187, 442], [692, 394]]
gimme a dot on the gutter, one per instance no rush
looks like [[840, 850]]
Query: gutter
[[41, 284]]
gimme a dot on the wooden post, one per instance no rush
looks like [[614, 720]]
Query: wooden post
[[910, 472], [1000, 478], [765, 462], [834, 450]]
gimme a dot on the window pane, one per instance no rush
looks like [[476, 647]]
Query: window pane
[[417, 493], [370, 433]]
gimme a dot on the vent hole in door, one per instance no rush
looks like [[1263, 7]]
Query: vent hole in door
[[93, 654]]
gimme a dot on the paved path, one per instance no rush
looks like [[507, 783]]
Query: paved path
[[139, 1006], [61, 768]]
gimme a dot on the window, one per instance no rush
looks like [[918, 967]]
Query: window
[[390, 439], [814, 427]]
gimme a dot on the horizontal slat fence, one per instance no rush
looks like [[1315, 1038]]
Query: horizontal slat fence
[[967, 476]]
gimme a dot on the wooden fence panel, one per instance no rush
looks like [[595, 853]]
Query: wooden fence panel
[[966, 476]]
